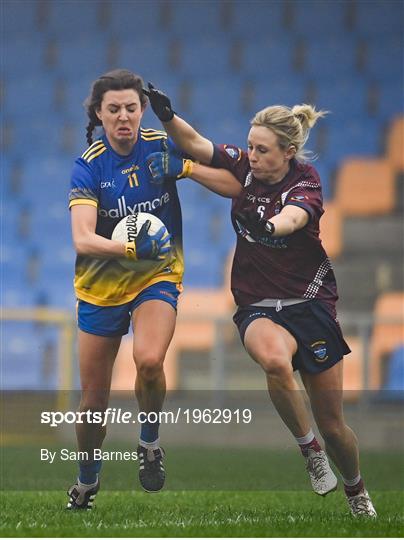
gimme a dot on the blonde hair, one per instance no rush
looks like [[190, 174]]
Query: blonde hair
[[291, 125]]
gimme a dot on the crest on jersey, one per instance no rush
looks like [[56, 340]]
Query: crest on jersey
[[233, 152], [319, 349]]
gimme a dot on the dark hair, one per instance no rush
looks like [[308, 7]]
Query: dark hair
[[118, 79]]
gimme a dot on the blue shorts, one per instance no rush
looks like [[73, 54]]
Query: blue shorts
[[320, 343], [114, 321]]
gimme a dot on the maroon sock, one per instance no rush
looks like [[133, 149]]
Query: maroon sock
[[314, 445], [351, 491]]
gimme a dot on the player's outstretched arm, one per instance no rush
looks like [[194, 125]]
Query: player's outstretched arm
[[168, 165], [185, 136]]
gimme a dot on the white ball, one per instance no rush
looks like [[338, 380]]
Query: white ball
[[128, 229]]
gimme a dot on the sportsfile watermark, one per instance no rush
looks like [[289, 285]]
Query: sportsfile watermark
[[113, 415]]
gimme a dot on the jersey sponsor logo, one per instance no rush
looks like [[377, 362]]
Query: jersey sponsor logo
[[319, 349], [124, 209], [130, 169], [107, 184]]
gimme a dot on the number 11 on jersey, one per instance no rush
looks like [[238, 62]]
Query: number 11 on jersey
[[133, 180]]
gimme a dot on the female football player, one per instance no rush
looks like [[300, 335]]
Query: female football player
[[110, 181], [282, 279]]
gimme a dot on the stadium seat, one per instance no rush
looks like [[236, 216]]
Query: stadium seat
[[24, 362], [141, 17], [386, 335], [319, 18], [248, 19], [263, 58], [351, 138], [379, 18], [332, 58], [391, 99], [384, 58], [345, 98], [19, 18], [71, 18], [395, 144], [193, 19], [331, 229], [353, 369], [78, 57], [22, 54], [365, 187], [394, 381]]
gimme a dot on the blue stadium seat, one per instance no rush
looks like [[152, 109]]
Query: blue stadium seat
[[352, 138], [193, 19], [289, 91], [213, 102], [204, 58], [19, 18], [23, 55], [252, 18], [79, 57], [265, 58], [145, 57], [379, 18], [331, 58], [345, 98], [316, 17], [71, 18], [25, 364], [40, 103], [391, 102], [395, 372], [385, 61], [130, 18]]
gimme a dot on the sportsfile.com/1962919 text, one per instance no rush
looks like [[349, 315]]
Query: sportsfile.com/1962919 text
[[114, 415]]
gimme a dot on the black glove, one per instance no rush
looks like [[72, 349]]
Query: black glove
[[160, 103], [255, 224]]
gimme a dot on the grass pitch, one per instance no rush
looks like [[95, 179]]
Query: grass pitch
[[198, 514], [209, 493]]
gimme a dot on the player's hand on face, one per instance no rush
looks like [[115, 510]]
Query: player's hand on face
[[160, 103], [168, 165], [152, 246]]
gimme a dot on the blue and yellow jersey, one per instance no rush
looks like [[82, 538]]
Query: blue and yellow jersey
[[119, 186]]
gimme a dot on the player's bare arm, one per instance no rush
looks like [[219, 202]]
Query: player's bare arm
[[184, 135], [289, 220], [85, 240], [219, 181]]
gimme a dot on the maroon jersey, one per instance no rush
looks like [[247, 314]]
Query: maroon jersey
[[294, 266]]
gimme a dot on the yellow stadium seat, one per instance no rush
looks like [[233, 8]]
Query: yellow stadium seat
[[365, 187], [395, 144], [195, 330], [331, 229], [386, 336]]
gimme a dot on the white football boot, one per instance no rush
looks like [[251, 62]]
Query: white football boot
[[322, 478], [361, 505]]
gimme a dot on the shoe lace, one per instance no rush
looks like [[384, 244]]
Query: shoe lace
[[360, 503], [317, 465]]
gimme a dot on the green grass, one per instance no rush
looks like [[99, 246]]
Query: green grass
[[198, 514]]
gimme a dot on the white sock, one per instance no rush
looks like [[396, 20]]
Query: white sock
[[353, 482], [155, 445], [306, 439]]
